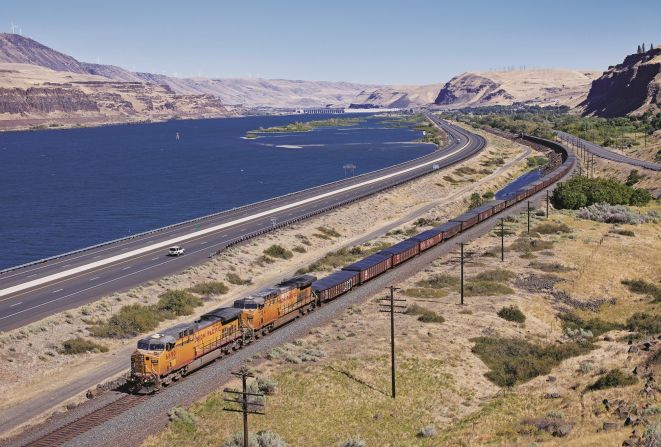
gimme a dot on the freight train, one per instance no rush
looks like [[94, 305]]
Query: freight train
[[167, 356]]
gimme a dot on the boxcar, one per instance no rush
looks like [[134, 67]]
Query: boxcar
[[466, 220], [483, 211], [402, 251], [498, 206], [428, 239], [334, 285], [449, 229], [371, 266]]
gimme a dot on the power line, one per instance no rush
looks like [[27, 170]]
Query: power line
[[247, 403], [392, 308]]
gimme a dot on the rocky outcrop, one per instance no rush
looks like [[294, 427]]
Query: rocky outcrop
[[632, 87], [44, 100], [532, 87]]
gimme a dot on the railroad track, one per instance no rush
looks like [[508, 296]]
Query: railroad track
[[87, 422]]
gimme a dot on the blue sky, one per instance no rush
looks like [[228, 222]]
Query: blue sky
[[389, 42]]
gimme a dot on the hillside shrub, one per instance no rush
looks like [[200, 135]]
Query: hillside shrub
[[498, 275], [235, 279], [424, 315], [579, 192], [551, 228], [512, 313], [259, 439], [209, 288], [616, 214], [512, 360], [352, 442], [80, 345], [278, 251], [643, 287], [644, 323], [613, 378], [439, 281], [176, 303], [595, 326]]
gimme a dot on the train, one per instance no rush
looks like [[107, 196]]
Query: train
[[166, 357]]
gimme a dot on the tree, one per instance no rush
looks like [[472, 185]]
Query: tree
[[643, 48], [639, 50]]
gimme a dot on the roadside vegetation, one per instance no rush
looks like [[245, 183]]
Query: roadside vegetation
[[512, 313], [210, 288], [235, 279], [81, 345], [425, 315], [136, 319], [342, 257], [619, 133], [612, 379], [278, 251], [579, 192]]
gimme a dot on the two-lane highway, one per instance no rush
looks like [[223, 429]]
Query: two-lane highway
[[607, 154], [33, 292]]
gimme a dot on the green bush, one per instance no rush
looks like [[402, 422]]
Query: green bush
[[209, 288], [129, 321], [612, 379], [644, 323], [136, 319], [80, 345], [643, 287], [235, 279], [570, 320], [278, 251], [579, 192], [513, 360], [512, 313], [425, 315], [331, 232], [176, 303], [439, 281]]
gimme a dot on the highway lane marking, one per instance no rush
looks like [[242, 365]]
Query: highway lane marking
[[95, 285], [169, 242], [157, 257], [30, 276], [126, 268], [58, 290], [16, 304], [94, 279]]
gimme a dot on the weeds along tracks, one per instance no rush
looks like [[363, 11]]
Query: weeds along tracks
[[87, 422]]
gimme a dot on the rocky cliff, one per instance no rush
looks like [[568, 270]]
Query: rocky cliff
[[632, 87], [534, 87]]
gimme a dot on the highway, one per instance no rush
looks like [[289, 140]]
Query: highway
[[606, 153], [34, 292]]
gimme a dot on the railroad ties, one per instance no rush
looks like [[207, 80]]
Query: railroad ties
[[88, 422]]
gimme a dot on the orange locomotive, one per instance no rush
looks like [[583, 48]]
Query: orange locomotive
[[166, 356]]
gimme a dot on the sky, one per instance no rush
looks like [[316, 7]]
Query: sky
[[373, 42]]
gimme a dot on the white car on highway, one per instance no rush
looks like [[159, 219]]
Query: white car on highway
[[176, 251]]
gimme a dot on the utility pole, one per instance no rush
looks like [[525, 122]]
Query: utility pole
[[392, 308], [462, 273], [547, 204], [246, 401], [502, 239], [528, 216]]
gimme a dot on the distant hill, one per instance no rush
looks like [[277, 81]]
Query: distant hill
[[541, 87], [249, 92], [632, 87], [397, 96]]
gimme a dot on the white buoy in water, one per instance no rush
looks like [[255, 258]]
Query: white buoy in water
[[177, 136]]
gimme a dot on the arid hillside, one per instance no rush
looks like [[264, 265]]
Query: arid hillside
[[534, 87], [35, 96], [632, 87], [397, 96]]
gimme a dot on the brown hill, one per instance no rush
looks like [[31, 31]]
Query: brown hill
[[534, 87], [632, 87], [397, 96]]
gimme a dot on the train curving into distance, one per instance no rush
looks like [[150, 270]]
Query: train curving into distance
[[167, 356]]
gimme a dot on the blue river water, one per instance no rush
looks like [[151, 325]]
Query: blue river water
[[66, 189]]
